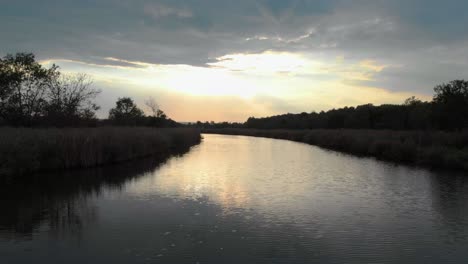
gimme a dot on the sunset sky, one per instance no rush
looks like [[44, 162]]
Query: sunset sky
[[226, 60]]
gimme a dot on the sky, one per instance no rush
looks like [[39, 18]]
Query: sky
[[224, 60]]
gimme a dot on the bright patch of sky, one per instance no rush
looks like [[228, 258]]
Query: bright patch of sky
[[228, 60]]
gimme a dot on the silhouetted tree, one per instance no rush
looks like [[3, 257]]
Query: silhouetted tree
[[33, 95], [448, 110], [158, 118], [126, 112], [23, 87], [412, 101], [451, 104], [418, 114], [413, 114], [152, 105], [154, 108], [70, 98]]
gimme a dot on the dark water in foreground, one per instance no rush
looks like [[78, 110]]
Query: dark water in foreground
[[239, 200]]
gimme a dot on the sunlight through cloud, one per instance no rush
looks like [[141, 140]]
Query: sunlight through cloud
[[264, 63]]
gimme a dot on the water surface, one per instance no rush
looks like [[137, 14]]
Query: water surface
[[237, 199]]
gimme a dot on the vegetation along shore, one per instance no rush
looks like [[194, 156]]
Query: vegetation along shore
[[48, 122], [432, 134], [437, 149], [26, 150]]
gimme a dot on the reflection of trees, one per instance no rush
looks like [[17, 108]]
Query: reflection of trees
[[62, 201], [450, 201], [64, 204]]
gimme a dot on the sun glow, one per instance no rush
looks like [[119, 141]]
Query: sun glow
[[237, 86], [204, 81], [264, 63]]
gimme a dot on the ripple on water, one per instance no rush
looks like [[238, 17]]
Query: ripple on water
[[241, 200]]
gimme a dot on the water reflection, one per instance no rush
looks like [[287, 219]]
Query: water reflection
[[240, 200], [450, 201], [62, 202]]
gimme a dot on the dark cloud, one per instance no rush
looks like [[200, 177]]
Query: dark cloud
[[396, 32]]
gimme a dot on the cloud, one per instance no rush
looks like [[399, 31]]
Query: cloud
[[263, 63], [399, 46], [157, 10]]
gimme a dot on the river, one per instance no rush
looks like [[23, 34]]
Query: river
[[235, 199]]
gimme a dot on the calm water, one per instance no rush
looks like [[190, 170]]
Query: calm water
[[239, 200]]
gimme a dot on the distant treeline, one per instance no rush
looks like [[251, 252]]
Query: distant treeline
[[34, 96], [447, 111]]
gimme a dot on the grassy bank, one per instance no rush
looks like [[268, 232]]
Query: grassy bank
[[431, 149], [25, 150]]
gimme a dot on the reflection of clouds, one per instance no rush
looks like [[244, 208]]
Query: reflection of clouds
[[196, 177], [260, 200], [288, 181], [229, 172]]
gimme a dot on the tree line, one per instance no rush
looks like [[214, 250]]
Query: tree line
[[447, 111], [127, 113], [33, 95]]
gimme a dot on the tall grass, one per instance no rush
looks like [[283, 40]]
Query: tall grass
[[25, 150], [427, 148]]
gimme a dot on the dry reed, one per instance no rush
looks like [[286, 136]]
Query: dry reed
[[25, 150]]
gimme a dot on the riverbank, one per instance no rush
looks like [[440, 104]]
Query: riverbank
[[435, 149], [27, 150]]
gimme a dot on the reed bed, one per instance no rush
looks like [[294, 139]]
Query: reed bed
[[26, 150], [435, 149]]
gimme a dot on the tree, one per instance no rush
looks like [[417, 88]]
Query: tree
[[154, 108], [412, 101], [70, 97], [125, 112], [152, 105], [23, 86], [451, 104]]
